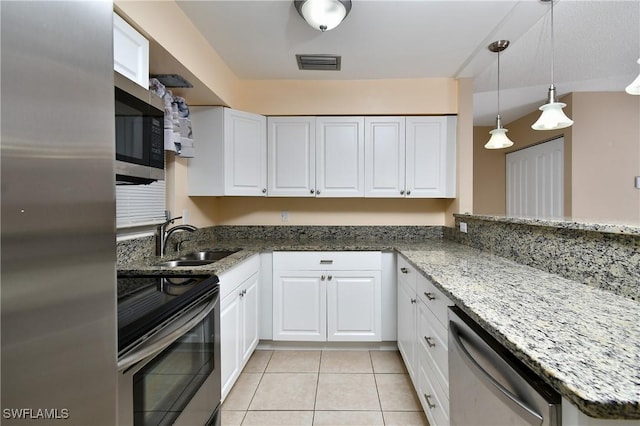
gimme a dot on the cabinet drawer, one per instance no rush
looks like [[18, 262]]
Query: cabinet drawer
[[433, 341], [233, 277], [434, 400], [327, 260], [406, 272], [433, 298]]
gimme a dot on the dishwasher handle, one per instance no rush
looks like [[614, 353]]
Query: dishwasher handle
[[496, 388]]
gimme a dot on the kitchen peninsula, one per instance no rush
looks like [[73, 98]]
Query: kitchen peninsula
[[581, 340]]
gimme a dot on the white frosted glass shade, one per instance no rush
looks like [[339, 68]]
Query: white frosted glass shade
[[552, 117], [498, 139], [323, 15], [634, 87]]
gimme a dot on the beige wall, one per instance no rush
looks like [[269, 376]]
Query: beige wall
[[602, 155], [300, 97]]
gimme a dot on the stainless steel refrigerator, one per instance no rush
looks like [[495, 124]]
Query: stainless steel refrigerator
[[58, 295]]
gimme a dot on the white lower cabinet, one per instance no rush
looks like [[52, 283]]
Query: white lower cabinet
[[238, 319], [327, 296], [423, 340]]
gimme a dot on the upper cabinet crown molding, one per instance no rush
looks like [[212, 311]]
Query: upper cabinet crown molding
[[230, 153], [130, 52]]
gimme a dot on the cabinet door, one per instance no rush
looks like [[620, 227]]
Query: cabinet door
[[384, 148], [340, 156], [430, 156], [245, 156], [230, 332], [130, 52], [354, 306], [407, 325], [299, 306], [249, 316], [291, 143]]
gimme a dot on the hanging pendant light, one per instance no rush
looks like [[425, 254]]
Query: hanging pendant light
[[323, 15], [499, 137], [552, 117], [634, 87]]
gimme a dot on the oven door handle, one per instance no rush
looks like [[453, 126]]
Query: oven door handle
[[167, 336]]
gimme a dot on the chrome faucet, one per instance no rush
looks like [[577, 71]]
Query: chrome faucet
[[164, 233]]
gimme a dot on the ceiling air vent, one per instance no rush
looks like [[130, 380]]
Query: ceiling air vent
[[319, 62]]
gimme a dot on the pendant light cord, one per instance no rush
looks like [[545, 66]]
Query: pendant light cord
[[498, 83], [552, 47]]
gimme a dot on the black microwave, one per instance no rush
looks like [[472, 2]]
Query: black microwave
[[139, 117]]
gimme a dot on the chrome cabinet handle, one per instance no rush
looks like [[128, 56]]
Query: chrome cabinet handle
[[429, 403], [312, 191], [413, 300], [517, 405], [408, 192], [322, 278], [402, 192], [430, 296], [404, 270], [329, 278], [318, 192], [429, 342], [264, 190], [326, 261]]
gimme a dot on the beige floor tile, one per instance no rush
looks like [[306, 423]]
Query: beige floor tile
[[347, 392], [258, 362], [387, 362], [345, 362], [278, 418], [405, 418], [355, 418], [294, 362], [397, 393], [285, 391], [232, 418], [242, 392]]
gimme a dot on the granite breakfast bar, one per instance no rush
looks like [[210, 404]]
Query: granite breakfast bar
[[583, 341]]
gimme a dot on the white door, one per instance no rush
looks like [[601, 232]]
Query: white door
[[299, 306], [430, 157], [354, 308], [249, 316], [340, 156], [384, 148], [535, 181], [245, 153], [292, 156], [230, 332]]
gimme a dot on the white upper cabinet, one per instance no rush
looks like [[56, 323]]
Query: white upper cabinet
[[130, 52], [291, 143], [384, 139], [340, 156], [230, 153], [431, 156]]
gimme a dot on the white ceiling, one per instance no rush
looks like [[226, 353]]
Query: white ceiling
[[597, 44]]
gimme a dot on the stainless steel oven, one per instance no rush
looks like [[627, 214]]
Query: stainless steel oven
[[169, 351]]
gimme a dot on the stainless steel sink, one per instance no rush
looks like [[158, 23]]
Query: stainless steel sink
[[198, 258], [182, 262], [207, 255]]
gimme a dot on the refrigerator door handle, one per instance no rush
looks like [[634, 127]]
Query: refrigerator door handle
[[494, 386], [166, 337]]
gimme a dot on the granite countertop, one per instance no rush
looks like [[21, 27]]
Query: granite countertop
[[583, 341]]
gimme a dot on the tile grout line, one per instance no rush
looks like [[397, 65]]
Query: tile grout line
[[246, 413], [375, 380]]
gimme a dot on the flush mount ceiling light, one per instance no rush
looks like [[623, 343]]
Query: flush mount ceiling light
[[552, 116], [634, 87], [499, 137], [323, 15]]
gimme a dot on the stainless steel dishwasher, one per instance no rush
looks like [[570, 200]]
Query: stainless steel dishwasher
[[489, 386]]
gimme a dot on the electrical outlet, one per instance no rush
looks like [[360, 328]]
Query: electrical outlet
[[284, 216], [463, 227]]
